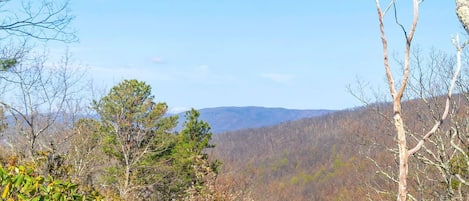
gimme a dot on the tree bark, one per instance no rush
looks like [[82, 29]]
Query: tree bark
[[397, 93], [403, 156], [462, 10]]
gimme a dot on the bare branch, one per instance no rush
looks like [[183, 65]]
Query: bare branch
[[437, 124], [384, 41], [49, 21]]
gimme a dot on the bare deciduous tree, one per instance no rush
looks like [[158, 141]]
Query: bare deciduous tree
[[38, 93], [43, 19], [23, 20], [397, 92], [38, 85]]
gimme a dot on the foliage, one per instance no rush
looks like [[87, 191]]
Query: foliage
[[130, 152], [196, 133], [5, 64], [23, 183], [147, 159], [135, 133], [188, 157], [458, 165]]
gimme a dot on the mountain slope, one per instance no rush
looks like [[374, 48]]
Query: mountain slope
[[224, 119], [345, 155], [307, 159]]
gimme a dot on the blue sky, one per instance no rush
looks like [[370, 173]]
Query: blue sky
[[210, 53]]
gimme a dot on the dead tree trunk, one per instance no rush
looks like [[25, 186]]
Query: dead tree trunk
[[398, 92]]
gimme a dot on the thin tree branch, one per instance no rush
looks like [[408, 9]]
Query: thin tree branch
[[437, 124]]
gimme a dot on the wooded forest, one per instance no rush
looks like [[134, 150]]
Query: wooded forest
[[63, 139]]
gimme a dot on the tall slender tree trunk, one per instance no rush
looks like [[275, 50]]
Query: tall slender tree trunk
[[397, 93], [126, 188], [126, 183], [403, 156], [462, 10]]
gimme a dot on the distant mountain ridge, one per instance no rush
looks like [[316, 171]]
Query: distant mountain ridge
[[225, 119]]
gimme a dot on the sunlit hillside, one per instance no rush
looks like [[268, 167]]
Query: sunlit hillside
[[332, 157]]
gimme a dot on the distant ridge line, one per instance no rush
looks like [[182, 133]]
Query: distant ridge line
[[232, 118]]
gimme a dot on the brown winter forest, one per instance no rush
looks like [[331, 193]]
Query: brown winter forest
[[335, 157]]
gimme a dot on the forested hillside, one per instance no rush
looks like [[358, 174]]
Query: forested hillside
[[310, 159], [346, 155]]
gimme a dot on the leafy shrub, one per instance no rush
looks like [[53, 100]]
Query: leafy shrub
[[22, 183]]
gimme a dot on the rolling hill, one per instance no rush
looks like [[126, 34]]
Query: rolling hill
[[344, 155]]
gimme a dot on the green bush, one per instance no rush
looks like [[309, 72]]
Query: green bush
[[22, 183]]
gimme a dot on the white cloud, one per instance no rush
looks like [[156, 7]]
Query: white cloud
[[130, 73], [157, 60], [200, 72], [202, 69], [278, 77], [177, 110]]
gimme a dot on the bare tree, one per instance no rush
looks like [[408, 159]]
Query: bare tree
[[41, 19], [37, 84], [85, 153], [38, 93], [26, 20], [434, 170], [397, 92]]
